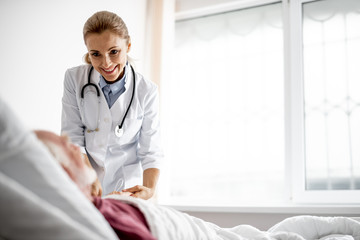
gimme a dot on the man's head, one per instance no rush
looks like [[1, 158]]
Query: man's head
[[70, 158]]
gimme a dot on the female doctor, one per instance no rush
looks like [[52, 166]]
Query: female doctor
[[111, 111]]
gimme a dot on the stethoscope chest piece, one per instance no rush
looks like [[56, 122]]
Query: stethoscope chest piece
[[119, 131]]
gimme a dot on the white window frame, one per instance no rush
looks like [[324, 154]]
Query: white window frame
[[221, 8], [295, 115]]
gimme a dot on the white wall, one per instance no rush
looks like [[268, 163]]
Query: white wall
[[40, 39]]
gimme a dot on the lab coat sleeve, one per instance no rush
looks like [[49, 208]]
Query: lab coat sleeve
[[150, 151], [71, 123]]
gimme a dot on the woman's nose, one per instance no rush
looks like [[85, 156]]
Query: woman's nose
[[106, 61]]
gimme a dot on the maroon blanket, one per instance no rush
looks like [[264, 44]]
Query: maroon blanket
[[126, 220]]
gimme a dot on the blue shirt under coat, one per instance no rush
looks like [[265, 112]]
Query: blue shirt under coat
[[113, 91]]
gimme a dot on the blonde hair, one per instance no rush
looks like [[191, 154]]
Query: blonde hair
[[102, 21]]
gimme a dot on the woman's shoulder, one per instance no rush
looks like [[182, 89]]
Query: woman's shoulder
[[144, 82], [76, 76], [79, 69]]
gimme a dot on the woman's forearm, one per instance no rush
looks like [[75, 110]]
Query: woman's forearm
[[150, 178]]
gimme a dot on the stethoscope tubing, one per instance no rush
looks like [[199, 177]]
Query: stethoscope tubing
[[132, 97], [89, 83]]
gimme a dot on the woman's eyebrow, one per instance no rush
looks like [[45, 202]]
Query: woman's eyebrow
[[113, 47]]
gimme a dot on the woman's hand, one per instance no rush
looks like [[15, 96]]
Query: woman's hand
[[139, 191], [147, 190]]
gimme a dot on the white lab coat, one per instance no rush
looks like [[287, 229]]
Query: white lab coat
[[112, 157]]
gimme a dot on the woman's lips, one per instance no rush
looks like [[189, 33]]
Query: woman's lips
[[109, 71]]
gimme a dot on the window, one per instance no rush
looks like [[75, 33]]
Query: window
[[331, 121], [233, 125], [331, 35], [224, 113]]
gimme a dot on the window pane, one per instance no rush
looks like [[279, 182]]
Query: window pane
[[223, 110], [331, 37]]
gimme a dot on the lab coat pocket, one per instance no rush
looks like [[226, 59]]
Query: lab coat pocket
[[133, 175], [132, 126]]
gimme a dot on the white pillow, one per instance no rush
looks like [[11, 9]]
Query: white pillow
[[313, 227], [33, 218], [26, 163]]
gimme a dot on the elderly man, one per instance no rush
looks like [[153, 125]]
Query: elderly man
[[127, 221]]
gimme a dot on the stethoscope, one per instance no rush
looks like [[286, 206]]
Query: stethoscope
[[119, 131]]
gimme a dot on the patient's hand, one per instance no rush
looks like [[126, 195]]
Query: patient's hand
[[120, 193], [96, 190]]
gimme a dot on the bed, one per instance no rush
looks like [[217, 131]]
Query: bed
[[168, 223], [39, 201]]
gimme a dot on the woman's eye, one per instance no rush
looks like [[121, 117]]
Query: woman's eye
[[114, 51], [95, 54]]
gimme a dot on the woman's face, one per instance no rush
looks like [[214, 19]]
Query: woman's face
[[108, 54]]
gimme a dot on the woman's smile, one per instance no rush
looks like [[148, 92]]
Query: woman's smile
[[109, 70]]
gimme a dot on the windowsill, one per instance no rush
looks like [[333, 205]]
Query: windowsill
[[283, 209]]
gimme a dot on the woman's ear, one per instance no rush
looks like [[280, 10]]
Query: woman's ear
[[129, 47], [87, 58]]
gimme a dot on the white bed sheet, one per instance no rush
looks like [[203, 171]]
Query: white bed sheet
[[168, 223]]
